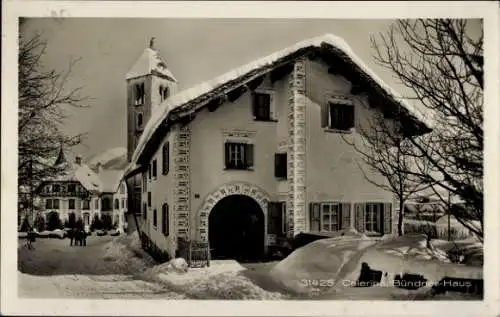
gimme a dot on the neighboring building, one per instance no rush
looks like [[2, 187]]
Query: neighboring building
[[259, 153], [114, 196], [80, 192]]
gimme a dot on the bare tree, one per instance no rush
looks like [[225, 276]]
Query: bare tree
[[441, 62], [43, 99], [384, 150]]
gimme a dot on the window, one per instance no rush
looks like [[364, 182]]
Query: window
[[145, 211], [331, 216], [123, 203], [149, 199], [165, 220], [117, 203], [165, 159], [149, 171], [276, 218], [373, 218], [280, 165], [139, 94], [48, 204], [261, 106], [239, 156], [106, 204], [340, 116], [155, 218], [139, 120], [71, 204], [163, 92], [154, 168], [71, 188], [56, 204], [96, 204], [86, 204], [144, 182], [57, 188]]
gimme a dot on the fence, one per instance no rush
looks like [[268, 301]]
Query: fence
[[196, 254]]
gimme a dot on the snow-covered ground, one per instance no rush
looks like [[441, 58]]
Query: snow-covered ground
[[117, 267]]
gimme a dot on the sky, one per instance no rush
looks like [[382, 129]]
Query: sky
[[195, 50]]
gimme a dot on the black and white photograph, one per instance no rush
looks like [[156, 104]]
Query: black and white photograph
[[203, 159]]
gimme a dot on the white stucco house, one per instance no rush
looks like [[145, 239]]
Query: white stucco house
[[258, 153], [82, 192]]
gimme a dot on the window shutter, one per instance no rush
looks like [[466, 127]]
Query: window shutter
[[226, 155], [346, 216], [276, 165], [350, 117], [166, 158], [314, 217], [324, 115], [271, 216], [254, 104], [360, 217], [165, 220], [249, 155], [387, 216]]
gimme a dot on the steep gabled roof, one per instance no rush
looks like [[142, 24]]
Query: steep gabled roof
[[331, 48], [148, 63]]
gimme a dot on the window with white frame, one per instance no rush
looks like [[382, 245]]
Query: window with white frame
[[329, 216], [373, 217], [238, 156]]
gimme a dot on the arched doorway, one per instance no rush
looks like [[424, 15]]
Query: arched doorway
[[236, 228]]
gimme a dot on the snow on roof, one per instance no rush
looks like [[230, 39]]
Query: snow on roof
[[149, 62], [110, 180], [182, 98]]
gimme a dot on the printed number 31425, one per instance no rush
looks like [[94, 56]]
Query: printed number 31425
[[317, 283]]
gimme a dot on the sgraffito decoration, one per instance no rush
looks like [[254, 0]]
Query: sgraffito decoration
[[240, 188], [296, 206]]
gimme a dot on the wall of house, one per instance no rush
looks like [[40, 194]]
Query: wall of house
[[162, 191], [210, 129], [120, 212], [333, 173]]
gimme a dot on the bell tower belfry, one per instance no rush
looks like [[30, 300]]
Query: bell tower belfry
[[149, 83]]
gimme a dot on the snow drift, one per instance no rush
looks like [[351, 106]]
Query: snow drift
[[333, 265]]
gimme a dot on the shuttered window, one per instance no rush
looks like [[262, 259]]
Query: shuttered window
[[374, 218], [71, 204], [155, 218], [48, 204], [165, 220], [56, 204], [280, 165], [329, 216], [149, 199], [165, 159], [238, 156], [154, 169]]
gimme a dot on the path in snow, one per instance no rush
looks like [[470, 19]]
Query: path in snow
[[54, 270]]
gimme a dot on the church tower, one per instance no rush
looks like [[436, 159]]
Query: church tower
[[149, 83]]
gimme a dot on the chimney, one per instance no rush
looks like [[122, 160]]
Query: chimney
[[78, 160], [152, 43]]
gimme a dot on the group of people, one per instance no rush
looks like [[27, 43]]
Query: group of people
[[77, 237]]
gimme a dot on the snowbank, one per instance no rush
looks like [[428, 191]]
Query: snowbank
[[334, 265], [222, 280], [125, 252]]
